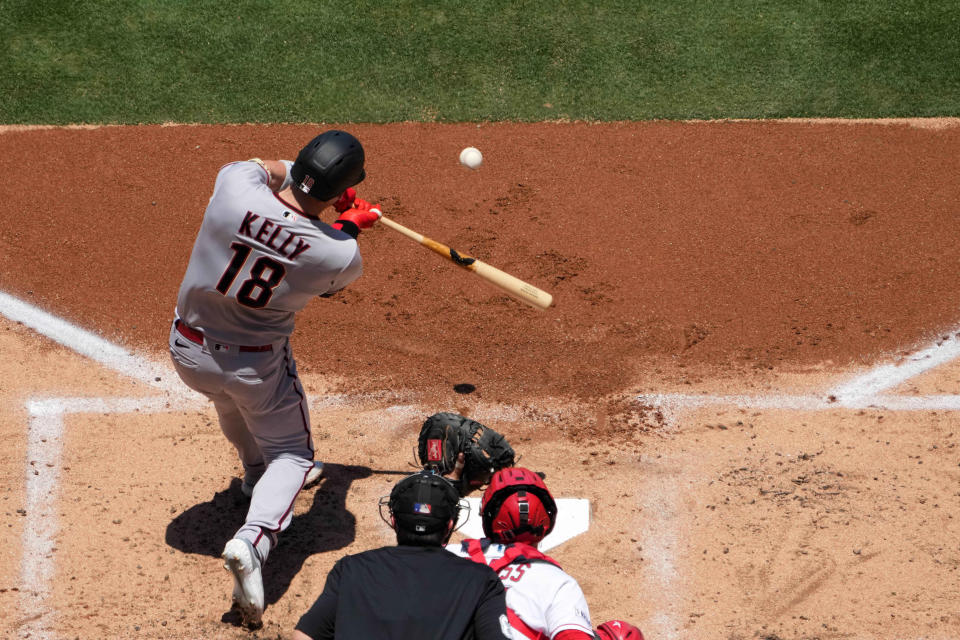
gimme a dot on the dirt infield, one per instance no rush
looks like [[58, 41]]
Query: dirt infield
[[716, 284]]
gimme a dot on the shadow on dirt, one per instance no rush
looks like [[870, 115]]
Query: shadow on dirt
[[327, 526]]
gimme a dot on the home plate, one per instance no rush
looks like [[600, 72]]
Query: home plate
[[573, 518]]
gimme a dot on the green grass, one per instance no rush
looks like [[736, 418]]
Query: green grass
[[363, 61]]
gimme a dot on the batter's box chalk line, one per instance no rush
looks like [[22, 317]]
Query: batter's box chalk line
[[863, 391]]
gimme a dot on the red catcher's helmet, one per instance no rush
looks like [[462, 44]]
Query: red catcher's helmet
[[618, 630], [517, 507]]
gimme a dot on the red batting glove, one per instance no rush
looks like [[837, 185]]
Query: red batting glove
[[346, 200], [360, 203], [363, 218], [352, 220]]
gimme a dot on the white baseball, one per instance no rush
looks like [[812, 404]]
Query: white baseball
[[471, 157]]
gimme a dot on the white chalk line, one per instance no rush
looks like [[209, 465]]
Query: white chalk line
[[44, 444], [888, 376], [863, 391], [657, 527], [88, 344], [672, 404]]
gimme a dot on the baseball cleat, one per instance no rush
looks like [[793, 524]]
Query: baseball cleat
[[240, 559], [314, 474], [247, 488]]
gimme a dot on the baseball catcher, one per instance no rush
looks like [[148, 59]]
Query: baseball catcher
[[543, 601], [450, 443]]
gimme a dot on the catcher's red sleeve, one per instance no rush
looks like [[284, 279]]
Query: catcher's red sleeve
[[572, 634]]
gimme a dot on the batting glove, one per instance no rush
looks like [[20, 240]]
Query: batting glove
[[352, 220], [346, 200], [360, 203]]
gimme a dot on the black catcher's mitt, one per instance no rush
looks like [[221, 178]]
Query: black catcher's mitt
[[485, 451]]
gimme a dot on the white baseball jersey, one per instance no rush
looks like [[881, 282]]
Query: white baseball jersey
[[542, 595], [258, 260]]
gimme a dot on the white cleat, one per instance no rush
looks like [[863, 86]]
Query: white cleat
[[314, 475], [241, 560]]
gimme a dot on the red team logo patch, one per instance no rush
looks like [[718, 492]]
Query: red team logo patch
[[434, 450]]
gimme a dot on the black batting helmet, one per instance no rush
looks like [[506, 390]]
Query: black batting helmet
[[424, 503], [329, 164]]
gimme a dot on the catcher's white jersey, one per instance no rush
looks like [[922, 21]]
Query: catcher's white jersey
[[258, 260], [543, 596]]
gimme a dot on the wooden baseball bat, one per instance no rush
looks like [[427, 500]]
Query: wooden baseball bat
[[515, 287]]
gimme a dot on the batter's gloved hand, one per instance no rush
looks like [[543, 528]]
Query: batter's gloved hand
[[352, 220], [360, 203], [345, 201]]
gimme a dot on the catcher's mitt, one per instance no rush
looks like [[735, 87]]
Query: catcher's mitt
[[446, 435]]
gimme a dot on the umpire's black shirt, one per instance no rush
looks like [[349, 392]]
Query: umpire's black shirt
[[406, 593]]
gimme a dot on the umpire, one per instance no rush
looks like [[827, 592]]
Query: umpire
[[415, 589]]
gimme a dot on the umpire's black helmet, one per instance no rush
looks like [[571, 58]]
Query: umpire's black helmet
[[424, 503], [329, 164]]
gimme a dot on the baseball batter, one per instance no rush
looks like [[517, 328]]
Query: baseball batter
[[543, 601], [262, 253]]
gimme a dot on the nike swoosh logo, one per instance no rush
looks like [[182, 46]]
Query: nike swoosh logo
[[179, 344]]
